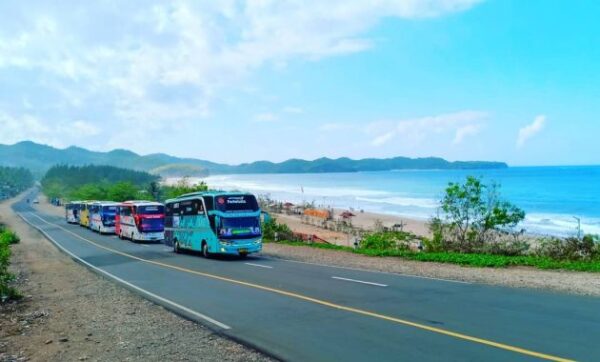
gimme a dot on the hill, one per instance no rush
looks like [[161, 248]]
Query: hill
[[39, 158]]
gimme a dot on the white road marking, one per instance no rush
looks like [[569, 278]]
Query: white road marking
[[150, 294], [360, 281], [259, 265], [367, 270], [144, 245]]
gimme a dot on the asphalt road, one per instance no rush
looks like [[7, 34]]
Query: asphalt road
[[298, 311]]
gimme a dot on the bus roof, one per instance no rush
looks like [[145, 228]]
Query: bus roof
[[106, 203], [141, 203], [194, 195]]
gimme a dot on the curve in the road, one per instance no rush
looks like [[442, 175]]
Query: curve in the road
[[305, 298]]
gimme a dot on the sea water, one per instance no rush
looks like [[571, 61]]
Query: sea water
[[552, 197]]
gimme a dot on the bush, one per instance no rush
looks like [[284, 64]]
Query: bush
[[386, 240], [572, 248], [9, 237], [6, 291], [274, 231]]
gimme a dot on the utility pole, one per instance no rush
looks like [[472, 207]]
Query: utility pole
[[578, 227]]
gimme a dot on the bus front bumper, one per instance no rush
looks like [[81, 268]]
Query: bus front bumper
[[239, 247]]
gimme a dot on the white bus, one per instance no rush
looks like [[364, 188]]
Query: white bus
[[141, 221], [72, 212], [102, 216]]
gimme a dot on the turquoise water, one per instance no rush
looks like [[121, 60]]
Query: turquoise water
[[551, 196]]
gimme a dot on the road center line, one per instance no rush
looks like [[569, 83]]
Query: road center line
[[259, 265], [360, 281], [332, 305]]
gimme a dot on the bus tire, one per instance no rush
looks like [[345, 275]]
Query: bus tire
[[176, 248], [121, 235], [132, 239], [205, 252], [243, 255]]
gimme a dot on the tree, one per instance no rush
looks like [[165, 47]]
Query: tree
[[183, 186], [122, 191], [473, 213]]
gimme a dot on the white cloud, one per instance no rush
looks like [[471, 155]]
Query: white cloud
[[167, 61], [82, 129], [465, 131], [414, 131], [29, 127], [531, 130], [266, 117], [293, 110]]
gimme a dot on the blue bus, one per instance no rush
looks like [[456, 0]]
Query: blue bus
[[214, 223]]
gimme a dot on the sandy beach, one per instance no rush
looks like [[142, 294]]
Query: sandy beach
[[362, 220]]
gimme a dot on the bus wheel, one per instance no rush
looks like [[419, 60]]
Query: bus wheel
[[121, 235], [132, 239], [176, 249], [205, 252], [243, 255]]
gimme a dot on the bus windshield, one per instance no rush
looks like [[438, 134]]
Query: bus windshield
[[109, 209], [236, 203], [232, 227], [151, 210]]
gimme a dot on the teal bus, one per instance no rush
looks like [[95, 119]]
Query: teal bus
[[214, 222]]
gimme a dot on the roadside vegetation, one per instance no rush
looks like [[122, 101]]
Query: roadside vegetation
[[7, 291], [475, 227], [14, 180]]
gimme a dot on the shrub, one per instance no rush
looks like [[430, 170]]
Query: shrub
[[274, 231], [9, 237], [6, 291], [572, 248], [385, 240]]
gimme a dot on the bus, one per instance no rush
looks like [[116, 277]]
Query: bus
[[84, 213], [140, 221], [214, 223], [102, 216], [72, 212]]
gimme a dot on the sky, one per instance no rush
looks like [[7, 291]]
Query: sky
[[240, 81]]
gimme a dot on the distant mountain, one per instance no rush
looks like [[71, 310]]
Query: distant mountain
[[39, 158]]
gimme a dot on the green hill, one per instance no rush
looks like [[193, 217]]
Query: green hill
[[39, 158]]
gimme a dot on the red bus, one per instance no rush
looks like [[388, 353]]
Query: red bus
[[140, 221]]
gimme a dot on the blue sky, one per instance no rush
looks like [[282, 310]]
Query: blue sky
[[235, 81]]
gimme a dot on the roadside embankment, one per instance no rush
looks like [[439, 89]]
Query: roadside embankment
[[520, 277], [69, 313]]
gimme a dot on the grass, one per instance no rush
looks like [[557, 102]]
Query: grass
[[472, 260]]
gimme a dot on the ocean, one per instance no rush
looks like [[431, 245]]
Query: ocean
[[552, 197]]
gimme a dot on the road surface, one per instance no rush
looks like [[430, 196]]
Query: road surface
[[298, 311]]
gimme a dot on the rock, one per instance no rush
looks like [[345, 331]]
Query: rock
[[48, 341], [63, 339]]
